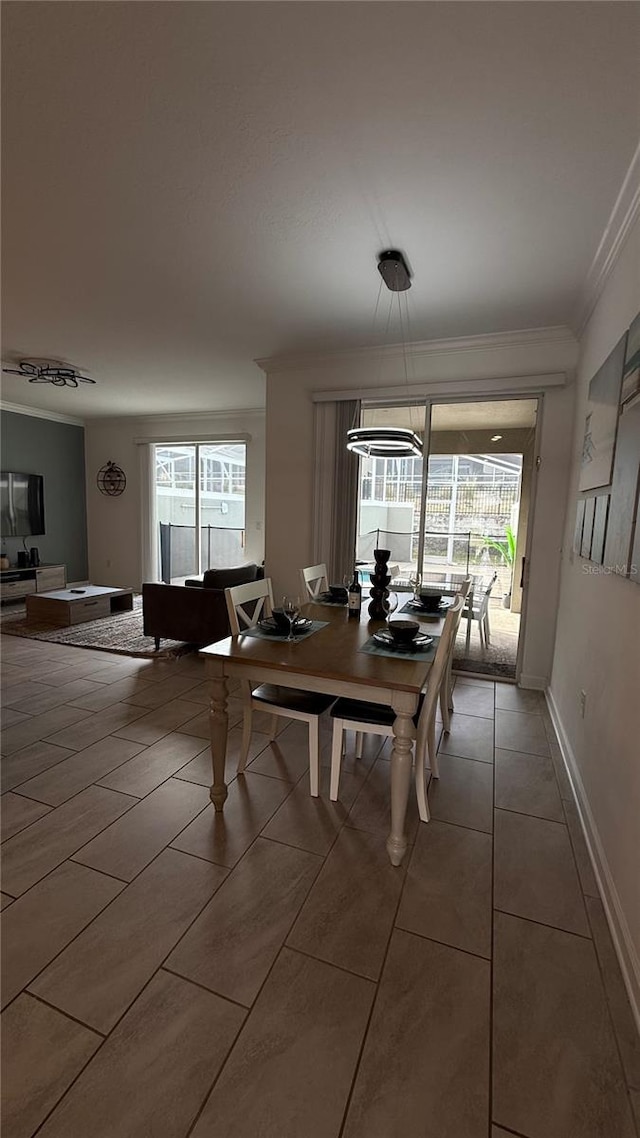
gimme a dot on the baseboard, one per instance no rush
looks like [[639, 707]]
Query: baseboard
[[618, 926], [536, 683]]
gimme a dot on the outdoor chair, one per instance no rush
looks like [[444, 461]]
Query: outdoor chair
[[480, 613]]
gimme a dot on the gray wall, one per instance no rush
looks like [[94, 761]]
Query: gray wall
[[55, 450]]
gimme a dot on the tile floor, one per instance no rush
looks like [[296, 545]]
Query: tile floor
[[168, 972]]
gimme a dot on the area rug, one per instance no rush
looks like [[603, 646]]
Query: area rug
[[121, 633]]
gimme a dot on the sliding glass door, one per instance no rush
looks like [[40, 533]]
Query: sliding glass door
[[200, 507], [464, 508]]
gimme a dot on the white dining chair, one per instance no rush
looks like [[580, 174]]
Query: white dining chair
[[371, 718], [314, 581], [480, 613], [246, 605], [446, 690]]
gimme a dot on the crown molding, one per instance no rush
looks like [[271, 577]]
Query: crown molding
[[490, 342], [624, 214], [38, 413]]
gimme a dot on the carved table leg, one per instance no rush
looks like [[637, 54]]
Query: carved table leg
[[404, 706], [218, 724]]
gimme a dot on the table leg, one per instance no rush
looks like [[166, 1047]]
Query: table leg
[[404, 706], [469, 620], [218, 725]]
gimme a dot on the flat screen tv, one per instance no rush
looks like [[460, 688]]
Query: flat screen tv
[[21, 504]]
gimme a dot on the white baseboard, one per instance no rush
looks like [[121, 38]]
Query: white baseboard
[[618, 926], [537, 683]]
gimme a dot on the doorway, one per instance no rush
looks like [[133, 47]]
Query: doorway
[[463, 508]]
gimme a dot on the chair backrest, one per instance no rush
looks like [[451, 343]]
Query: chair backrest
[[438, 671], [247, 604], [463, 592], [484, 601], [314, 581]]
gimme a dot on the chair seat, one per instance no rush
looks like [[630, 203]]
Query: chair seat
[[360, 712], [310, 703]]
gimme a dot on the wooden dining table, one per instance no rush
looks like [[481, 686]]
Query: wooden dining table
[[447, 584], [329, 661]]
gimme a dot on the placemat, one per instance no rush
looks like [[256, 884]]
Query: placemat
[[261, 634], [401, 653]]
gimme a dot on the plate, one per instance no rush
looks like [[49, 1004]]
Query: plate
[[420, 607], [385, 638], [303, 624]]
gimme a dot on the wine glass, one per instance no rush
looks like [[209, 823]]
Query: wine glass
[[390, 604], [291, 609]]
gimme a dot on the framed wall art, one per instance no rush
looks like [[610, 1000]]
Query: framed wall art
[[577, 533], [631, 372], [602, 420], [587, 528]]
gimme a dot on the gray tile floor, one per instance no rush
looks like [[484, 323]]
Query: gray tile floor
[[171, 972]]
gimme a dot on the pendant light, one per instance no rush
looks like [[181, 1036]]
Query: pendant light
[[389, 442]]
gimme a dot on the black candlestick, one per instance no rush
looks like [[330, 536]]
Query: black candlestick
[[380, 578]]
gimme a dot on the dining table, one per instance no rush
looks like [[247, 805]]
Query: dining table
[[333, 660], [447, 583]]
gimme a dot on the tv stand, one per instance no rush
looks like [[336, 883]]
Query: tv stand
[[18, 583]]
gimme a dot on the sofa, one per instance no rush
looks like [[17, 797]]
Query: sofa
[[195, 612]]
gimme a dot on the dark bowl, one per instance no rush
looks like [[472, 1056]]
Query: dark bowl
[[338, 592], [404, 631], [280, 619], [430, 601]]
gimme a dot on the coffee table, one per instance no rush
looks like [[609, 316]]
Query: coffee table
[[68, 606]]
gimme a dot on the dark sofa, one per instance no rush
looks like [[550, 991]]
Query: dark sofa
[[195, 612]]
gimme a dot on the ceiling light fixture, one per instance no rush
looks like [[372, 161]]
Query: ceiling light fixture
[[496, 438], [49, 371], [389, 442]]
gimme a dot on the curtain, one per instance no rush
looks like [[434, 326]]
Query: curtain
[[148, 513], [336, 487]]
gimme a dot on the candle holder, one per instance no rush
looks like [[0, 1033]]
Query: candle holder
[[380, 579]]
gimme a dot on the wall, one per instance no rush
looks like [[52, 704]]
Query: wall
[[34, 445], [598, 651], [115, 524], [474, 366]]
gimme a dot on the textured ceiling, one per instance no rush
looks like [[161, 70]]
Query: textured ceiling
[[189, 186]]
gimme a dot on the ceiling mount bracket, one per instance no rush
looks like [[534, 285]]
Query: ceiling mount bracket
[[394, 270]]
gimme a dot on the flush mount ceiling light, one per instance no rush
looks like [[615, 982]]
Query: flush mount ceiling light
[[49, 371], [389, 442], [496, 438]]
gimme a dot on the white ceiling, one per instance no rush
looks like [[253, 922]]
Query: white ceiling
[[189, 186]]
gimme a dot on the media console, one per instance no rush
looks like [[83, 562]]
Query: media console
[[18, 583]]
